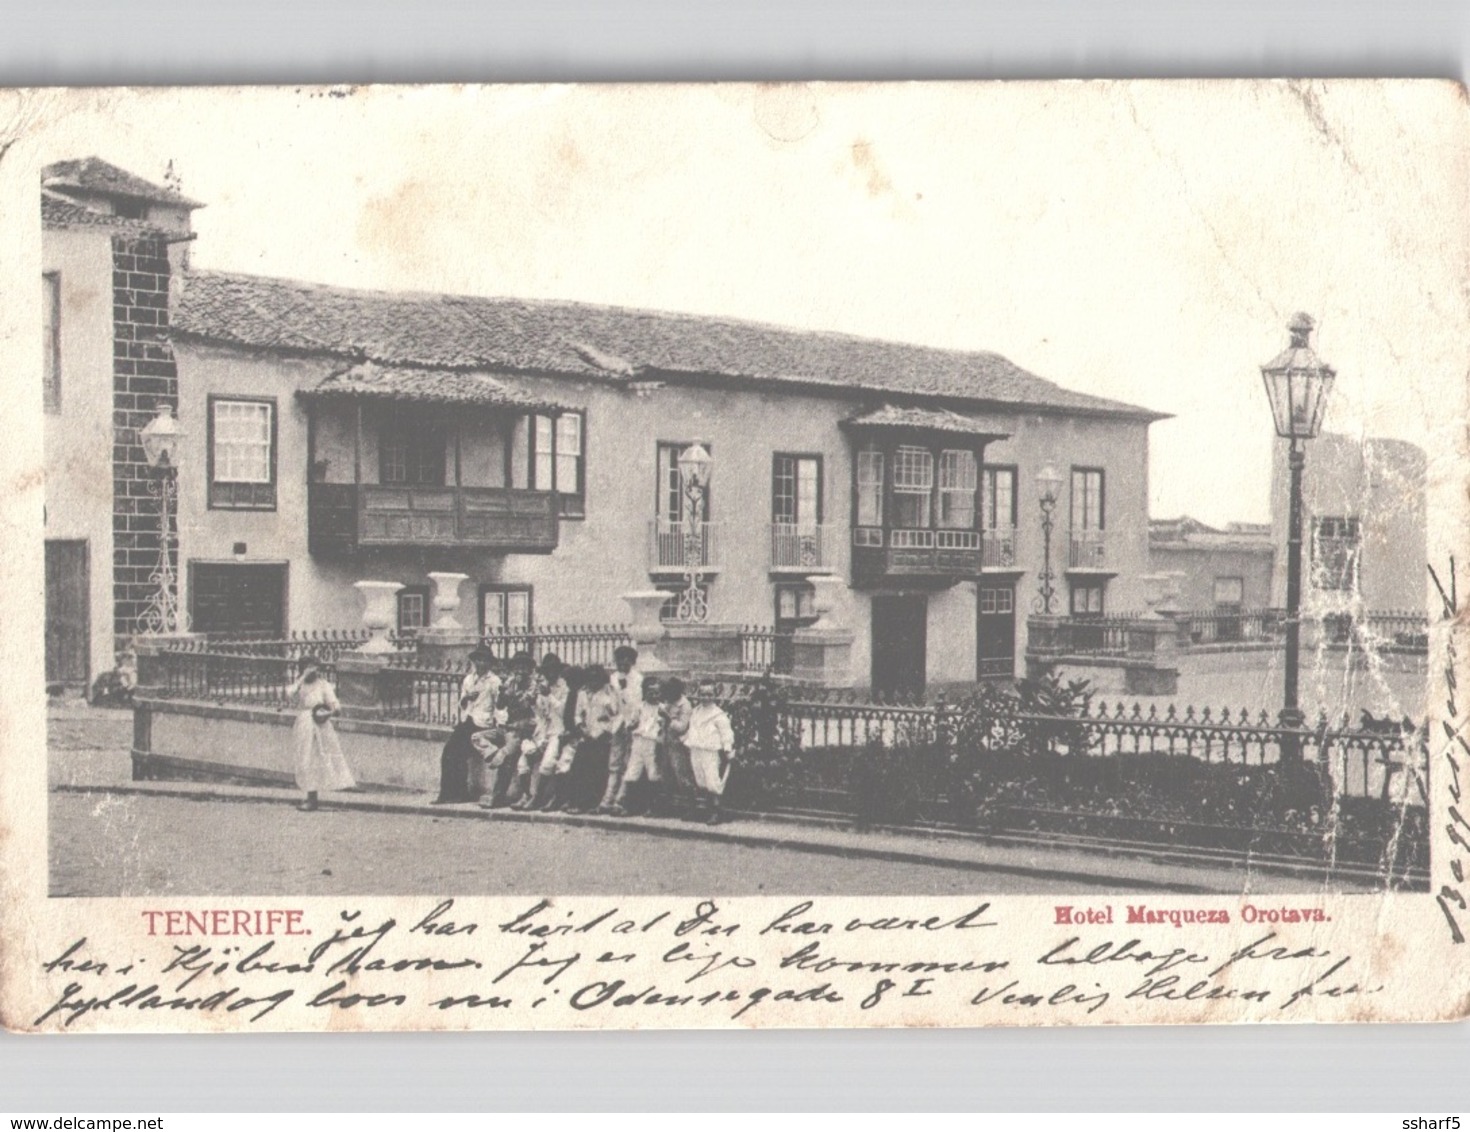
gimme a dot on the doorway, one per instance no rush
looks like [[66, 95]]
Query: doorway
[[68, 616], [995, 632], [899, 645]]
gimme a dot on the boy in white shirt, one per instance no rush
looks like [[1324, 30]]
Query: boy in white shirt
[[711, 743], [644, 740]]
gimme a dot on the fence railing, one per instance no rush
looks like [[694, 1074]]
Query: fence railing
[[573, 644], [998, 548], [803, 546], [409, 691], [232, 677], [765, 649], [1396, 630], [671, 545], [324, 645], [1089, 550]]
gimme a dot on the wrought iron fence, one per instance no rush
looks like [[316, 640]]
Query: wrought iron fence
[[409, 691], [1232, 626], [232, 677], [765, 649], [323, 644], [573, 644]]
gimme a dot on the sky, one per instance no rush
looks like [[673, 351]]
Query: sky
[[1147, 242]]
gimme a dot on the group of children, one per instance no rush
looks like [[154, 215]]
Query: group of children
[[556, 737]]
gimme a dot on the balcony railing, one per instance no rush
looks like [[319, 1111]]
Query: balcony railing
[[879, 553], [803, 548], [998, 548], [672, 548], [347, 516], [1089, 551]]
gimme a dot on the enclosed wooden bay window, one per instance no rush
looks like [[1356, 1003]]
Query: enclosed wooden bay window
[[916, 495]]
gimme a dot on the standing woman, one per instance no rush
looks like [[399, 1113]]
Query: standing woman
[[319, 762]]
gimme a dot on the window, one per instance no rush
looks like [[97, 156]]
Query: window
[[1087, 499], [669, 488], [997, 600], [413, 608], [870, 488], [1336, 545], [1087, 599], [505, 608], [51, 341], [1230, 591], [913, 486], [411, 454], [957, 482], [242, 454], [796, 490], [558, 460], [998, 499], [794, 602]]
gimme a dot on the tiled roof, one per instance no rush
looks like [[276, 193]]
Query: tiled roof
[[386, 383], [58, 212], [93, 175], [934, 420], [611, 343]]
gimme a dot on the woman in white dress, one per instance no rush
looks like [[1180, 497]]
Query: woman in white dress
[[319, 761]]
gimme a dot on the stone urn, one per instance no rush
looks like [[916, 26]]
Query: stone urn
[[826, 594], [446, 597], [646, 627], [379, 614]]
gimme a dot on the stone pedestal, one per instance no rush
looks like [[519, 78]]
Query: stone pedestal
[[1153, 664], [447, 647], [700, 648], [359, 683], [645, 628], [823, 656], [148, 647]]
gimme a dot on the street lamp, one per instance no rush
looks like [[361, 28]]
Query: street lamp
[[1297, 383], [1049, 483], [161, 438], [695, 465]]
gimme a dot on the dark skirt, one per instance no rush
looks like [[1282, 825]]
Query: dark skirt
[[588, 777], [454, 764]]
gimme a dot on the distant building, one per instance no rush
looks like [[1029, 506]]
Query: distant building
[[1220, 569], [1364, 533]]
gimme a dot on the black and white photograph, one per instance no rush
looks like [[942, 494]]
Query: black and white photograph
[[800, 491]]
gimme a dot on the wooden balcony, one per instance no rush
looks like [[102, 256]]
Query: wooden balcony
[[937, 556], [346, 517]]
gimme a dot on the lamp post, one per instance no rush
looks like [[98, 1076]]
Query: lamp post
[[695, 464], [1297, 384], [161, 438], [1049, 483]]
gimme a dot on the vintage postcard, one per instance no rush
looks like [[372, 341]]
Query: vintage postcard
[[734, 555]]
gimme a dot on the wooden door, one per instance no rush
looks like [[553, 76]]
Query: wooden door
[[68, 619], [900, 643]]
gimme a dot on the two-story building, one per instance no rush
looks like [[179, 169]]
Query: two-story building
[[534, 446], [336, 435]]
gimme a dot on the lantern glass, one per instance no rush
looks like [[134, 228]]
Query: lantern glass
[[1049, 481], [1297, 384], [695, 464], [160, 438]]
